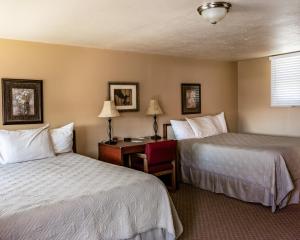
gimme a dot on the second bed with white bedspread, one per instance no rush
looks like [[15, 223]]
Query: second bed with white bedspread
[[253, 168]]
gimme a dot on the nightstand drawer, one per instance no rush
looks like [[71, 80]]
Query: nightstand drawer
[[110, 154]]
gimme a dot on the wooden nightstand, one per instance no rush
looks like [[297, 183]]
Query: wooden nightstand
[[119, 153]]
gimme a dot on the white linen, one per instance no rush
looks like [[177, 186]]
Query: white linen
[[62, 138], [25, 145], [182, 129], [75, 197], [203, 127]]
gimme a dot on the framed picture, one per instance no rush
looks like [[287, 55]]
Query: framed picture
[[190, 98], [22, 101], [125, 95]]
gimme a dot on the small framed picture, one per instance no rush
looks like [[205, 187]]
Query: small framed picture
[[22, 101], [125, 95], [190, 98]]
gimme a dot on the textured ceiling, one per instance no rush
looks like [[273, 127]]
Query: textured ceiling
[[253, 28]]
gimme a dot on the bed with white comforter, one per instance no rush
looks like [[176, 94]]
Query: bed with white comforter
[[250, 167], [74, 197]]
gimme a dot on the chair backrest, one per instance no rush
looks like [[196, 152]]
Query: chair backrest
[[161, 152]]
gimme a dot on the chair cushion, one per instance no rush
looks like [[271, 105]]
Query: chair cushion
[[161, 152], [139, 165]]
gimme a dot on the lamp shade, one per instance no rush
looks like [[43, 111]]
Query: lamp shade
[[214, 15], [109, 110], [214, 11], [154, 108]]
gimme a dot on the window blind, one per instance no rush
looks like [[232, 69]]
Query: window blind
[[285, 80]]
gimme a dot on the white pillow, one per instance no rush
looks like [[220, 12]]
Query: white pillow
[[182, 129], [62, 138], [219, 121], [25, 145], [203, 126]]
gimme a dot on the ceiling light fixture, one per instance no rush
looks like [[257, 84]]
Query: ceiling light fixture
[[214, 11]]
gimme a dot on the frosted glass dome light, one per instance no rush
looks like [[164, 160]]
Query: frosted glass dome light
[[215, 11]]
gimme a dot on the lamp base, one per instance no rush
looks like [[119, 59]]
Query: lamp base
[[155, 137], [112, 142]]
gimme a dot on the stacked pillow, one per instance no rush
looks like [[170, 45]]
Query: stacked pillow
[[34, 144], [199, 127], [182, 129], [62, 138]]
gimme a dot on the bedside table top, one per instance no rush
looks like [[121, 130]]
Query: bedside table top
[[134, 142]]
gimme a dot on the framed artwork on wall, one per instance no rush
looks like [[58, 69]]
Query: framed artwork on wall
[[190, 98], [125, 95], [22, 101]]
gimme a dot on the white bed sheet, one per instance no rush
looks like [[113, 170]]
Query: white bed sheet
[[74, 197]]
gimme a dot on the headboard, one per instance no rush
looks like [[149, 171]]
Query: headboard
[[74, 142], [168, 131]]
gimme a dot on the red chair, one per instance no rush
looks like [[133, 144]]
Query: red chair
[[159, 159]]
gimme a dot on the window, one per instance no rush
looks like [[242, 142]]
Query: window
[[285, 80]]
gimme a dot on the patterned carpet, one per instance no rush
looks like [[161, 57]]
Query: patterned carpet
[[207, 215]]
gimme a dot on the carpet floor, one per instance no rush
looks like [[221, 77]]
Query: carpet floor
[[207, 215]]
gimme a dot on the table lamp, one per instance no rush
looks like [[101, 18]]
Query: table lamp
[[154, 110], [109, 111]]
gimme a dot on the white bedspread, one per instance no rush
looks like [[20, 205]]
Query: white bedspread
[[74, 197], [250, 167]]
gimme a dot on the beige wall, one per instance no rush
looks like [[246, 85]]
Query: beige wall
[[254, 112], [75, 86]]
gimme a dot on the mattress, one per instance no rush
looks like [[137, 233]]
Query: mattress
[[75, 197], [250, 167]]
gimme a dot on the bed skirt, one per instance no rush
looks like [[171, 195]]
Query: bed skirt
[[236, 188], [295, 195], [154, 234]]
